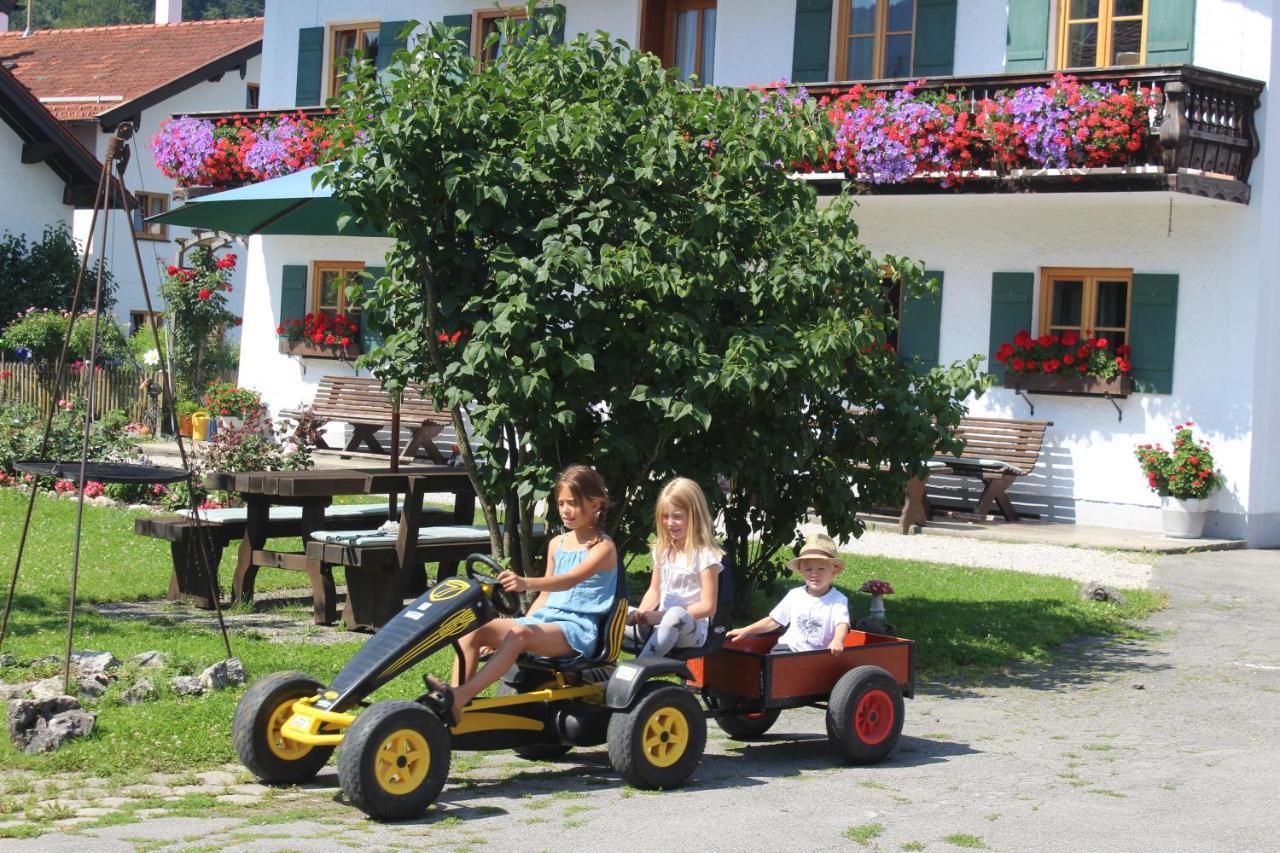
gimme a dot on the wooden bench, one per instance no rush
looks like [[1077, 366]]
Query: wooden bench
[[998, 451], [219, 528], [361, 402]]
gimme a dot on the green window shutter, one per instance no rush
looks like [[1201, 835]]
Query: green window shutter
[[462, 22], [1153, 322], [1171, 27], [1027, 39], [812, 48], [935, 49], [389, 41], [310, 66], [921, 325], [1011, 297], [370, 338], [293, 292]]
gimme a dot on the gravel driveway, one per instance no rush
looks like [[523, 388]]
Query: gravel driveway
[[1167, 742]]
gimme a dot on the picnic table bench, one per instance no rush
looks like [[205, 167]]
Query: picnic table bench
[[220, 527], [996, 450], [362, 402]]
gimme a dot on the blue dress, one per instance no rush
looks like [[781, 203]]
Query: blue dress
[[577, 610]]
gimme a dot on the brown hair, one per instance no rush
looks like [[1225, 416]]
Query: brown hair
[[585, 484]]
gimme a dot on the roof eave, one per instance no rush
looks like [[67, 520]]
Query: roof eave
[[228, 61]]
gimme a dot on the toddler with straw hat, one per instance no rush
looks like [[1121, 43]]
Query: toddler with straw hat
[[815, 615]]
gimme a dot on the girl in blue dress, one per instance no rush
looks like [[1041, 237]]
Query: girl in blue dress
[[576, 590]]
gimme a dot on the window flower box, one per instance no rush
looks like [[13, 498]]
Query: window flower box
[[1070, 385], [310, 349]]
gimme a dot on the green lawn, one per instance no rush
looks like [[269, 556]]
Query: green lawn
[[964, 621]]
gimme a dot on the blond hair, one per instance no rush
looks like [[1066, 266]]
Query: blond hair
[[684, 494]]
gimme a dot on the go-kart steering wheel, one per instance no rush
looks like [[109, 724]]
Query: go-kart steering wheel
[[506, 603]]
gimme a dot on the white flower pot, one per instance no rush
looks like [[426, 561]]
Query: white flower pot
[[1183, 519]]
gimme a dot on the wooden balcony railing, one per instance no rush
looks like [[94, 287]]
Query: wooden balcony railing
[[1204, 135], [1203, 140]]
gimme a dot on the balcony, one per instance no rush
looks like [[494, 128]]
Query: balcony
[[1200, 137], [1197, 137]]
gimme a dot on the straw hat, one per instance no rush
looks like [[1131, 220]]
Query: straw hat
[[817, 546]]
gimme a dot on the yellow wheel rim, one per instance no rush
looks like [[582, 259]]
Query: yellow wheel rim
[[280, 746], [666, 736], [402, 762]]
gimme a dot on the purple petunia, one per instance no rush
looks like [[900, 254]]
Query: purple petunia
[[181, 146]]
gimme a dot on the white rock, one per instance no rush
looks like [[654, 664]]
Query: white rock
[[15, 691], [223, 674], [186, 685], [147, 660], [48, 688], [91, 662], [140, 691]]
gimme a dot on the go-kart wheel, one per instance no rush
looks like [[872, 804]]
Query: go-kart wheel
[[534, 751], [260, 715], [394, 760], [864, 715], [506, 603], [748, 725], [659, 742]]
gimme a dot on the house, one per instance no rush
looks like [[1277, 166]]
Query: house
[[41, 163], [94, 78], [1169, 252]]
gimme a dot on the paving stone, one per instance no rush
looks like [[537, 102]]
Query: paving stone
[[218, 777], [94, 811], [252, 788], [239, 799]]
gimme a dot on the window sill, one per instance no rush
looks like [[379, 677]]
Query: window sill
[[308, 349]]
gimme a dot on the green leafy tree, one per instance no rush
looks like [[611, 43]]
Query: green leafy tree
[[600, 264], [42, 274]]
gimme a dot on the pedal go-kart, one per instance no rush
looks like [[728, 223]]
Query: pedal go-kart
[[394, 756]]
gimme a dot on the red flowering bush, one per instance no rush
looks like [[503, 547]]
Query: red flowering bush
[[876, 587], [331, 330], [1069, 353], [227, 398], [197, 303], [1184, 473]]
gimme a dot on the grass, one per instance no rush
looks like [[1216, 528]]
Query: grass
[[963, 839], [963, 620], [864, 833]]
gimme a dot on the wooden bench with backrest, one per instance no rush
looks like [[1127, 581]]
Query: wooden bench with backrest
[[221, 527], [998, 451], [362, 402]]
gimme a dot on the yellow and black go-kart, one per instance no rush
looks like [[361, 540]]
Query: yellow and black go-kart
[[394, 755]]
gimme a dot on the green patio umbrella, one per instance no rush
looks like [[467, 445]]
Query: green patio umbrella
[[288, 205]]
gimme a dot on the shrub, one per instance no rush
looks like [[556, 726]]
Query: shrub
[[198, 316], [227, 398], [38, 333], [43, 273], [1186, 472]]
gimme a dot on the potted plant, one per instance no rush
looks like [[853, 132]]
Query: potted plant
[[232, 405], [1067, 363], [320, 335], [186, 409], [1184, 478]]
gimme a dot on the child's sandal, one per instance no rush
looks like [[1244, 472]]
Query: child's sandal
[[440, 700]]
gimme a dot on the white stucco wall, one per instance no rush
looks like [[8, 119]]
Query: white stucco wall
[[284, 380], [1087, 473], [143, 176], [32, 191]]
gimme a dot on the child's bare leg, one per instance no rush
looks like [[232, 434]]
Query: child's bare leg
[[547, 640], [490, 634]]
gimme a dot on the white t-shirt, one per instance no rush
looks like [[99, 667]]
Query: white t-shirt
[[682, 580], [811, 620]]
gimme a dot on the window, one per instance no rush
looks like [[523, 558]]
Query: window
[[691, 39], [1086, 301], [251, 98], [358, 40], [1098, 33], [150, 204], [138, 321], [877, 39], [329, 296], [486, 24]]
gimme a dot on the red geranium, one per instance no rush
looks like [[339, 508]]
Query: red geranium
[[1050, 353]]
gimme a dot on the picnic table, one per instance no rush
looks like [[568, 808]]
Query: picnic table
[[313, 491]]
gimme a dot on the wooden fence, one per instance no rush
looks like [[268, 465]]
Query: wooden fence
[[113, 387]]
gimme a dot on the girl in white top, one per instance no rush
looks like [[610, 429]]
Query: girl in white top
[[681, 598]]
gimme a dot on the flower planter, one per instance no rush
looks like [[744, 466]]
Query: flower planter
[[310, 349], [1065, 384], [1183, 519]]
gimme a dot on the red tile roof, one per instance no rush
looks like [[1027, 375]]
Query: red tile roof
[[106, 68]]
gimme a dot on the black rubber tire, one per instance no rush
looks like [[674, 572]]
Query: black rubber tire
[[535, 751], [748, 726], [260, 712], [869, 738], [627, 750], [364, 754]]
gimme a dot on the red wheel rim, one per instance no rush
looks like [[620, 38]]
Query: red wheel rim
[[754, 715], [873, 718]]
